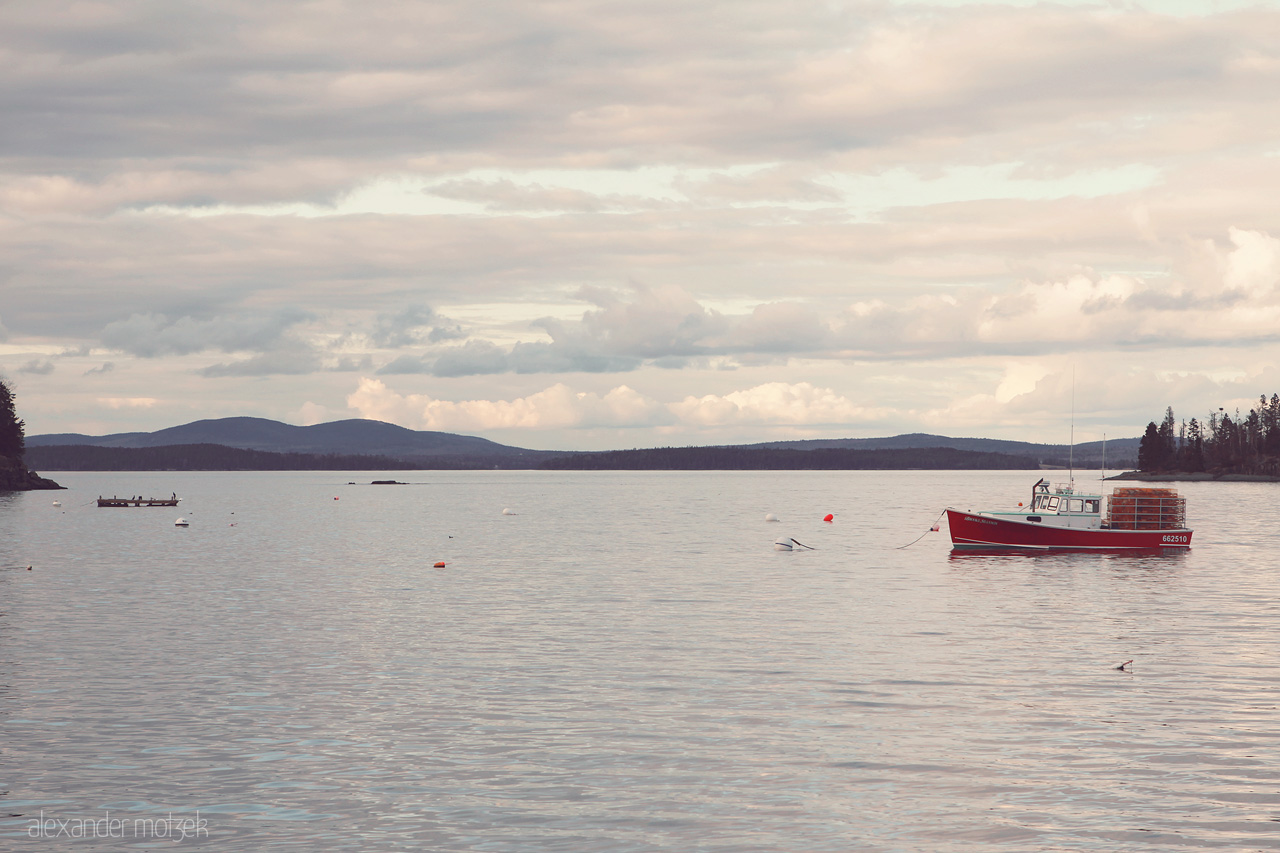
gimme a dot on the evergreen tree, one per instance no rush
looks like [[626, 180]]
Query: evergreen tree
[[1193, 452], [1271, 423], [1168, 440], [1151, 450], [12, 435]]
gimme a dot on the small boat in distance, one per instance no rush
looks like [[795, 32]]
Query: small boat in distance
[[139, 501], [1063, 519]]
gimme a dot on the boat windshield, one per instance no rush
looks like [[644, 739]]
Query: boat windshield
[[1066, 504]]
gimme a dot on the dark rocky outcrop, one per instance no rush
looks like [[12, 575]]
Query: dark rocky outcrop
[[14, 477]]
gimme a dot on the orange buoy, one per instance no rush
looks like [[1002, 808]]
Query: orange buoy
[[828, 518], [439, 565]]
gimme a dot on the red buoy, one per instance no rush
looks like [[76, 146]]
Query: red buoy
[[828, 518], [439, 565]]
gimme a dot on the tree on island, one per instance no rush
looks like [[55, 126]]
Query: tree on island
[[12, 429], [1248, 444], [14, 476]]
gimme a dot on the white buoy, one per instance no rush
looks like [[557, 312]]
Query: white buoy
[[782, 543], [768, 516], [57, 503], [506, 511], [182, 522]]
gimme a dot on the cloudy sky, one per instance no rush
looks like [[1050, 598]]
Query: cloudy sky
[[602, 224]]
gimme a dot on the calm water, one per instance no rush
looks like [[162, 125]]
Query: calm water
[[624, 663]]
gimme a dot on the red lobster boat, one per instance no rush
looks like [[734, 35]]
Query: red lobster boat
[[1060, 518]]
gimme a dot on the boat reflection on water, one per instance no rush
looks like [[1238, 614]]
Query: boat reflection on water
[[1067, 554]]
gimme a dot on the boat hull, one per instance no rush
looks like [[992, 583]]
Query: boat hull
[[987, 532]]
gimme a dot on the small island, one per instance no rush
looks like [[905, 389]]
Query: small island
[[14, 476], [1243, 448]]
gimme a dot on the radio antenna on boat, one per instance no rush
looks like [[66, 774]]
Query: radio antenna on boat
[[1071, 448]]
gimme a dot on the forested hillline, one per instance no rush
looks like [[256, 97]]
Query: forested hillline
[[362, 437], [1219, 446], [1116, 453], [214, 457], [217, 457], [737, 458]]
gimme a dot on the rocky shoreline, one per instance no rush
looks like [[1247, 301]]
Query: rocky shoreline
[[14, 477], [1197, 477]]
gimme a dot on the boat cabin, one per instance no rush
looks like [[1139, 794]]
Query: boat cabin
[[1061, 506], [1063, 501]]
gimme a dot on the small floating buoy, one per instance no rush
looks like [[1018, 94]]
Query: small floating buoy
[[28, 568], [439, 565], [828, 518], [768, 516], [335, 497], [182, 522], [506, 511], [935, 528], [57, 503], [782, 544]]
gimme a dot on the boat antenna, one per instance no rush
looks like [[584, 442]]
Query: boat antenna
[[1071, 464]]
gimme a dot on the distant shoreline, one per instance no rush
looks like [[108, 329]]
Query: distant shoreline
[[1196, 477]]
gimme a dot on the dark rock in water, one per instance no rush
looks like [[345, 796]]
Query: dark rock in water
[[14, 477]]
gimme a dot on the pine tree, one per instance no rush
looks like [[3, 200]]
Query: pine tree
[[1194, 450], [12, 435], [1151, 449]]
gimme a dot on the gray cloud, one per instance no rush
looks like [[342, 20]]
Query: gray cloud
[[413, 325], [406, 364], [290, 361], [152, 336], [473, 358], [38, 367], [796, 183], [480, 358], [291, 357], [531, 82]]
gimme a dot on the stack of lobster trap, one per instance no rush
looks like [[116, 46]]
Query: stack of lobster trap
[[1146, 509]]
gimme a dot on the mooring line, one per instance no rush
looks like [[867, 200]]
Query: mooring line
[[933, 527]]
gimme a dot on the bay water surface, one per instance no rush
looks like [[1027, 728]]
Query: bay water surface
[[621, 661]]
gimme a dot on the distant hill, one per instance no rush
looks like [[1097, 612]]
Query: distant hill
[[199, 457], [349, 437], [388, 446], [1120, 452], [743, 458]]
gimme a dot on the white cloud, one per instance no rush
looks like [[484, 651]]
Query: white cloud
[[560, 407], [312, 413], [128, 402], [777, 403], [1253, 266], [556, 407]]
